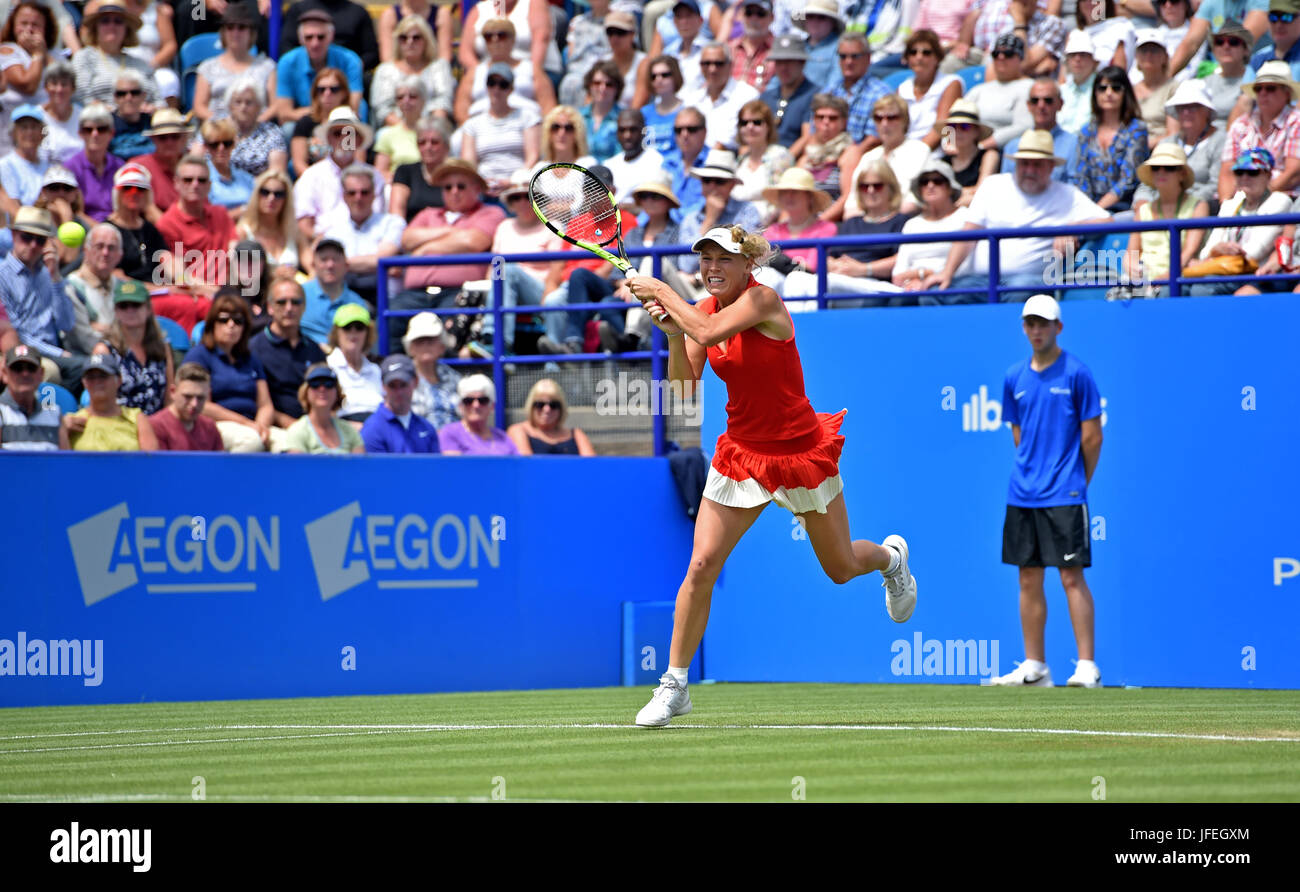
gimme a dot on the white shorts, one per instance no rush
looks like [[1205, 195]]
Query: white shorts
[[750, 493]]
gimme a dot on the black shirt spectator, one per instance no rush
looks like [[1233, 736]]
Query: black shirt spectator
[[140, 250], [284, 351], [860, 226], [353, 28], [422, 194]]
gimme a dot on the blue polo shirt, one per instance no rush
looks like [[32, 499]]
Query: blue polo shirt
[[318, 314], [383, 432], [285, 366], [1049, 407], [791, 114], [294, 73], [234, 384], [1269, 54]]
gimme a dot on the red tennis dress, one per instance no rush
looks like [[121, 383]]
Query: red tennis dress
[[775, 447]]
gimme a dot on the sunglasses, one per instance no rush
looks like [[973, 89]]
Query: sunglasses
[[827, 116], [456, 187], [1043, 100], [356, 326], [1166, 168], [661, 75], [1250, 173], [718, 64], [617, 32], [225, 319], [920, 51], [315, 38], [329, 88], [539, 405], [756, 12], [134, 92], [193, 179], [496, 83], [515, 196], [271, 193], [358, 193], [871, 187], [880, 117], [1285, 18], [496, 35], [932, 181], [289, 302], [222, 144], [96, 128], [844, 56], [713, 181], [34, 239], [479, 400], [323, 384], [752, 122], [963, 126], [133, 190], [693, 128], [410, 38], [1229, 41], [566, 128], [1005, 54], [1110, 88]]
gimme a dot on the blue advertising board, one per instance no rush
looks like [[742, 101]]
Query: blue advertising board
[[1195, 504], [181, 577]]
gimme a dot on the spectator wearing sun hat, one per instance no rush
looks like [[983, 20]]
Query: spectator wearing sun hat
[[1201, 141], [21, 169], [1274, 125], [319, 430], [319, 189], [717, 176], [1170, 179], [170, 131], [822, 22], [426, 342], [396, 428], [98, 63], [351, 338]]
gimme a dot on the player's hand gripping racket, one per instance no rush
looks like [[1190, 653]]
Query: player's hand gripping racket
[[577, 207]]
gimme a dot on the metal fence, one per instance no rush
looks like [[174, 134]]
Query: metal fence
[[657, 355]]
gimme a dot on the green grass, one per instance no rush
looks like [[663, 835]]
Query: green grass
[[95, 753]]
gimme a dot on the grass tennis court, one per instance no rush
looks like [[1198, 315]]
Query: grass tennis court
[[743, 742]]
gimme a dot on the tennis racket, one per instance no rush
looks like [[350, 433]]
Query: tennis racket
[[575, 205]]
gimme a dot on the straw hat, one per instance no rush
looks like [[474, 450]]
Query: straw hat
[[344, 116], [944, 169], [720, 165], [661, 186], [963, 111], [168, 120], [1166, 154], [37, 221], [1036, 145], [458, 165], [1275, 72], [97, 8], [796, 179]]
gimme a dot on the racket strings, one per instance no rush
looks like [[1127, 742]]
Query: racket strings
[[577, 204]]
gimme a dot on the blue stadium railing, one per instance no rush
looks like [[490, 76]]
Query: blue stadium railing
[[658, 353]]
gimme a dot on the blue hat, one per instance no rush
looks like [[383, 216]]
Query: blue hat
[[398, 366], [320, 372], [501, 69], [691, 3], [103, 362], [1258, 158], [27, 110]]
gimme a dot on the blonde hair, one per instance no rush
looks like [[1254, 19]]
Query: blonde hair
[[894, 102], [752, 245], [882, 169], [218, 128], [415, 23], [287, 225], [548, 385], [579, 130]]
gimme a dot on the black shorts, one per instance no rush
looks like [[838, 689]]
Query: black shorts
[[1047, 537]]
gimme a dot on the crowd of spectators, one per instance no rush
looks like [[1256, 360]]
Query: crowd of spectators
[[195, 239]]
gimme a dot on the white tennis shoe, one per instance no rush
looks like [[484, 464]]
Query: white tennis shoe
[[669, 699], [900, 587], [1026, 677], [1086, 675]]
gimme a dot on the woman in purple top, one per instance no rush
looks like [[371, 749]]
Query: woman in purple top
[[474, 433]]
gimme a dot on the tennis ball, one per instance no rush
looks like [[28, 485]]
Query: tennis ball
[[72, 234]]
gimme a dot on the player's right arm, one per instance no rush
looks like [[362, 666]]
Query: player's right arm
[[1015, 434], [686, 357]]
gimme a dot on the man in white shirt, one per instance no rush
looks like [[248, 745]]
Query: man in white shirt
[[319, 190], [722, 97], [366, 234], [638, 164], [1026, 199]]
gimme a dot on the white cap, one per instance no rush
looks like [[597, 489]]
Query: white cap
[[721, 237], [423, 325], [1148, 35], [1043, 305], [1192, 91], [1079, 42]]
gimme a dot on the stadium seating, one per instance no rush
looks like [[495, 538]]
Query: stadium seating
[[895, 80], [61, 396], [971, 76], [194, 52]]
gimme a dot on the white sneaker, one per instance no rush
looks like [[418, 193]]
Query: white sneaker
[[1026, 677], [1086, 675], [900, 588], [669, 699]]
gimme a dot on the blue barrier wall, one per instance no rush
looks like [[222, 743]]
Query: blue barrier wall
[[1194, 502], [442, 574]]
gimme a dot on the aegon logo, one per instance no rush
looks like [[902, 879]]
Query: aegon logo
[[112, 551], [347, 546]]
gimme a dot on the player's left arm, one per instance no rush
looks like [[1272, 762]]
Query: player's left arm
[[1090, 443], [756, 306]]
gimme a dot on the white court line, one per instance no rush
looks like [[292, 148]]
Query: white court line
[[367, 730]]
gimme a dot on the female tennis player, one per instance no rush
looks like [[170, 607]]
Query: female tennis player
[[775, 447]]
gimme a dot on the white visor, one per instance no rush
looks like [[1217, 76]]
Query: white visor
[[721, 237]]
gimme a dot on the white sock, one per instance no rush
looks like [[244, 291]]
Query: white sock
[[894, 560], [1081, 664], [1035, 666], [679, 674]]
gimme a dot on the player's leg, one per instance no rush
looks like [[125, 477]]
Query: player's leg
[[1020, 548], [843, 558], [717, 530], [1033, 612], [1079, 597]]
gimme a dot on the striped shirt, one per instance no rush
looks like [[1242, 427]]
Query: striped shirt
[[1282, 138], [21, 432], [499, 142], [97, 74], [38, 309]]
